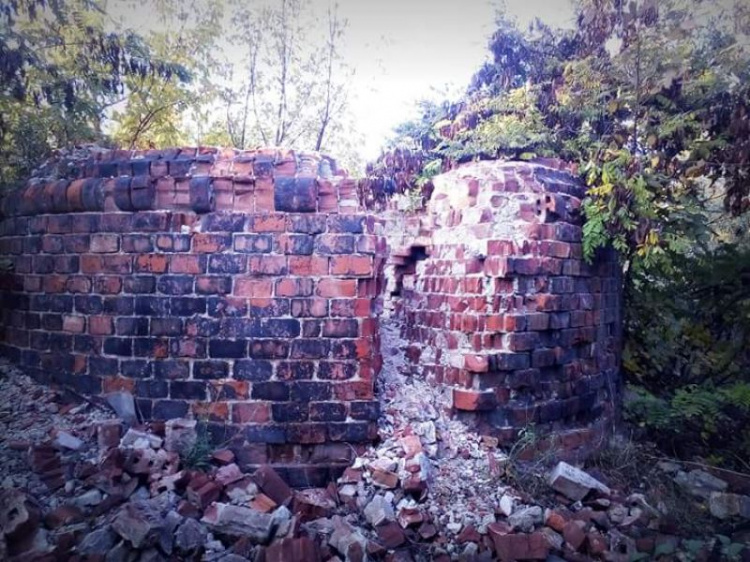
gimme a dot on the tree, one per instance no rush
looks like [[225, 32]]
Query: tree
[[292, 84], [157, 107], [60, 69]]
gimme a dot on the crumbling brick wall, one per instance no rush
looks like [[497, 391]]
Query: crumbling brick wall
[[245, 289], [499, 307], [236, 287]]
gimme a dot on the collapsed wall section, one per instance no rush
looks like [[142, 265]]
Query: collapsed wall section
[[234, 287], [498, 306]]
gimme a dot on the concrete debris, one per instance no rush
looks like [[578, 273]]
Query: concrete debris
[[123, 405], [574, 482], [700, 483]]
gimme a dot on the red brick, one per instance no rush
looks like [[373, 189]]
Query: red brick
[[294, 287], [336, 288], [187, 264], [105, 243], [54, 283], [473, 400], [78, 284], [210, 243], [257, 288], [267, 265], [351, 265], [269, 223], [100, 325], [251, 412], [107, 285], [74, 324], [152, 263], [308, 265]]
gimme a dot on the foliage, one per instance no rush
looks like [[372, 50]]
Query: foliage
[[292, 87], [686, 354], [60, 69], [158, 108]]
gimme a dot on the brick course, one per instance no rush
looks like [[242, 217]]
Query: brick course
[[244, 288]]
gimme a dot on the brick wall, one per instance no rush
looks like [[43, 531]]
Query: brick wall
[[234, 287], [245, 288], [501, 309]]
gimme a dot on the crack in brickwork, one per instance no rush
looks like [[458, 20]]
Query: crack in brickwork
[[245, 288]]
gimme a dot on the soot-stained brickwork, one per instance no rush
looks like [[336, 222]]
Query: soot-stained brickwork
[[498, 305], [245, 289], [234, 287]]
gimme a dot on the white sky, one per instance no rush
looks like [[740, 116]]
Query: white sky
[[404, 50]]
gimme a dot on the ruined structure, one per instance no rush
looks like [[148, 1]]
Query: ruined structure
[[245, 289]]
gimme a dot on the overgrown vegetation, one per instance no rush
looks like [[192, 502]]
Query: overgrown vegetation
[[651, 101]]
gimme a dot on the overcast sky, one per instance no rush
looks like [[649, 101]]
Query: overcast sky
[[403, 49]]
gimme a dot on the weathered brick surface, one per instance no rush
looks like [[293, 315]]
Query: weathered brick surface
[[499, 306], [204, 283], [245, 288]]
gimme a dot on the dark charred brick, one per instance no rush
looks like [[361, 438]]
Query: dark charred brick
[[213, 285], [188, 390], [238, 328], [312, 328], [171, 369], [124, 306], [103, 367], [131, 326], [227, 263], [308, 224], [279, 328], [296, 244], [137, 243], [286, 412], [89, 304], [136, 369], [52, 322], [295, 195], [140, 284], [327, 411], [310, 391], [252, 370], [87, 385], [187, 306], [152, 306], [346, 224], [336, 370], [226, 307], [344, 349], [335, 244], [150, 222], [269, 349], [227, 348], [253, 243], [210, 370], [145, 407], [223, 222], [60, 342], [175, 284], [169, 409], [364, 410], [152, 388], [66, 264], [202, 327], [310, 349], [296, 370], [44, 264], [116, 222], [264, 434], [149, 347], [276, 308], [118, 346], [166, 326], [77, 243], [86, 344], [350, 432], [276, 391]]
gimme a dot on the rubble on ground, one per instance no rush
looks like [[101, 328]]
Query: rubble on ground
[[80, 484]]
